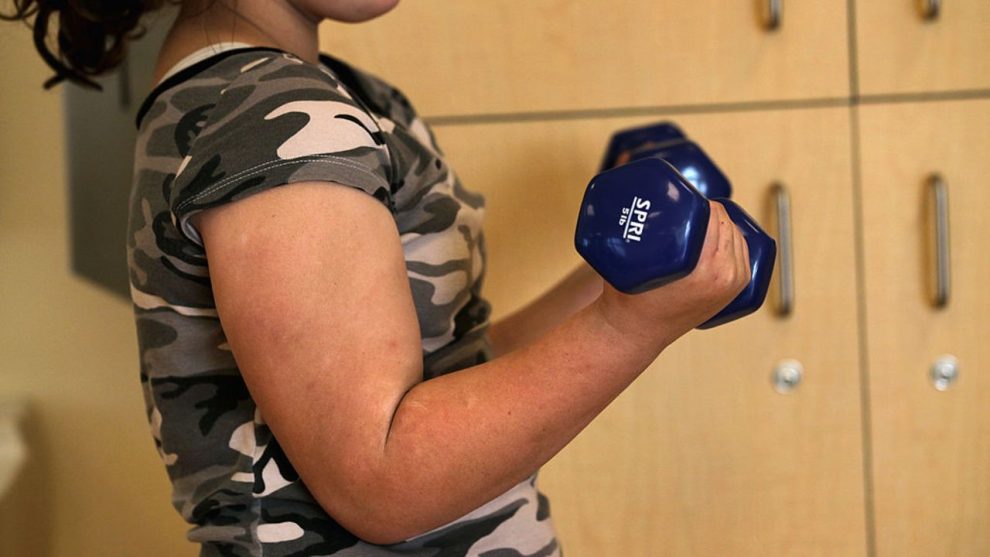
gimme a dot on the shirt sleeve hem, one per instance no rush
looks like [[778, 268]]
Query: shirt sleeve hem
[[316, 168]]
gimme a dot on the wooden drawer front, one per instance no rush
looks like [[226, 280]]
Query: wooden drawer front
[[931, 449], [900, 52], [507, 56]]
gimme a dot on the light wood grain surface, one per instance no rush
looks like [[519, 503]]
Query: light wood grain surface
[[503, 56], [900, 52]]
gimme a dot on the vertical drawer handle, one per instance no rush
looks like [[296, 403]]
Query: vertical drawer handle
[[773, 14], [940, 194], [782, 200], [931, 9]]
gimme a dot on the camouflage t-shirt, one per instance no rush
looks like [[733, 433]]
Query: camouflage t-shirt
[[229, 126]]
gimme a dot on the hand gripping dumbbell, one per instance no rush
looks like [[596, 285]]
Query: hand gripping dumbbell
[[667, 141], [642, 225]]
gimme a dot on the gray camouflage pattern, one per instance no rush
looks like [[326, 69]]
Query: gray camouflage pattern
[[236, 124]]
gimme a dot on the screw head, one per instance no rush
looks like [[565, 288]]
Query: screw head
[[944, 372], [787, 376]]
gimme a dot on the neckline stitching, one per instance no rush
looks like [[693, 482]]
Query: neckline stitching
[[202, 54]]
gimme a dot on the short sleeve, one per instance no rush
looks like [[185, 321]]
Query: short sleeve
[[279, 121]]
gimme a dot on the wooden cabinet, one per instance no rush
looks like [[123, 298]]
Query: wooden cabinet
[[899, 51], [701, 456], [507, 56], [931, 448]]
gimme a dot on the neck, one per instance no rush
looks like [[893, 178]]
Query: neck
[[274, 23]]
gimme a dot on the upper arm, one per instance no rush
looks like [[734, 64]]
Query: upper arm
[[312, 293]]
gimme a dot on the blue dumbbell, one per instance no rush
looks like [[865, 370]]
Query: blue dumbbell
[[667, 141], [642, 225]]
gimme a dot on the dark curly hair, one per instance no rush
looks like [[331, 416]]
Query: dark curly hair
[[92, 34]]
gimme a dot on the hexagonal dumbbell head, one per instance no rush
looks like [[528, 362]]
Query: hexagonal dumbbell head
[[641, 225], [625, 141], [693, 163], [667, 141]]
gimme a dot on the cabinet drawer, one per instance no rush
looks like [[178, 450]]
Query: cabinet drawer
[[901, 52], [507, 56], [931, 448]]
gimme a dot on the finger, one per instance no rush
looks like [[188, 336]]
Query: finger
[[746, 261], [742, 255], [713, 233], [726, 231]]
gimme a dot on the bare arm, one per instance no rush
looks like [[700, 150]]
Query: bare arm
[[574, 292], [312, 291]]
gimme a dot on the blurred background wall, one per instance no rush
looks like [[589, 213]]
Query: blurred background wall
[[93, 485]]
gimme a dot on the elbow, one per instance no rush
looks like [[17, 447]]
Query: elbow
[[382, 535], [378, 528], [376, 513]]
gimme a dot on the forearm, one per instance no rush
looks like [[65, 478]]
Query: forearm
[[460, 440], [574, 292]]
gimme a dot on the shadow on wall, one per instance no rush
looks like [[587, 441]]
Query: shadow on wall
[[25, 510], [100, 133]]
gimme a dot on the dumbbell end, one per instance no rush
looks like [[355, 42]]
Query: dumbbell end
[[641, 225], [694, 164], [628, 139]]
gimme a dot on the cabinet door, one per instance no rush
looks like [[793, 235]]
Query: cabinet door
[[901, 52], [931, 448], [700, 456], [499, 56]]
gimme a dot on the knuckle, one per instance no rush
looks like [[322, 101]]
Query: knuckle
[[728, 278]]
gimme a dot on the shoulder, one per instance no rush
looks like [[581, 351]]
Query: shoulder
[[258, 119], [248, 72]]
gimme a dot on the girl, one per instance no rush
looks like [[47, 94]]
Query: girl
[[319, 369]]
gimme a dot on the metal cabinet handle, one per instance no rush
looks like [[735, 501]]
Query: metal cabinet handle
[[773, 14], [931, 9], [782, 201], [940, 193]]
